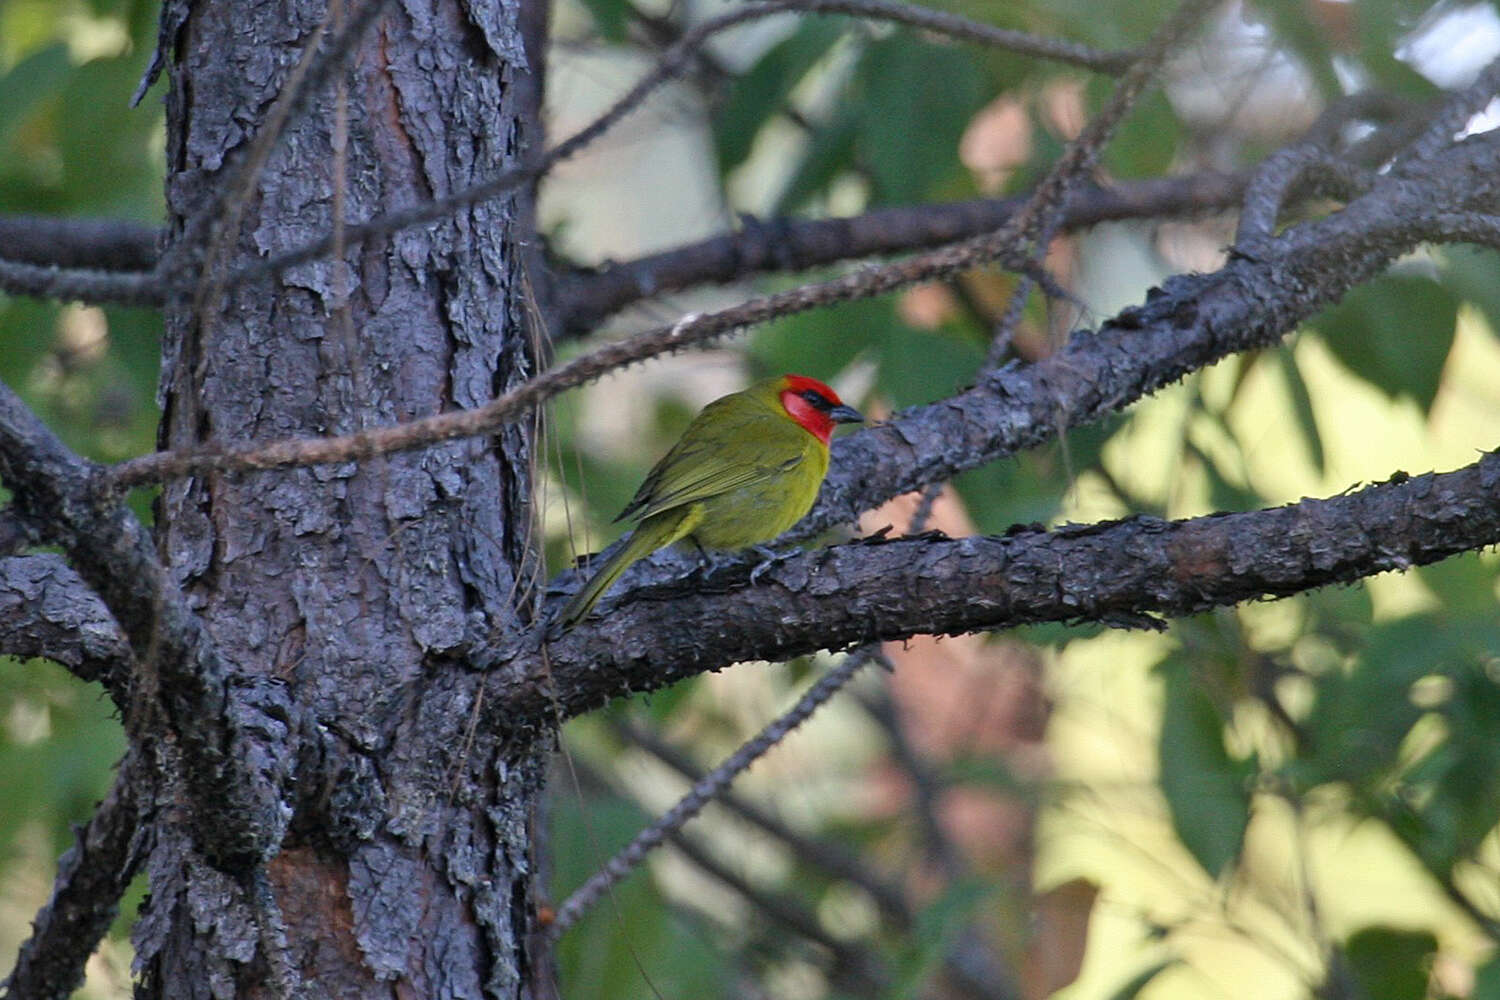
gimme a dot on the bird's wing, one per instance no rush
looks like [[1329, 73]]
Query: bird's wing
[[698, 468]]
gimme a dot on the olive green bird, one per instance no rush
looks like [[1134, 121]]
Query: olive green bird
[[747, 468]]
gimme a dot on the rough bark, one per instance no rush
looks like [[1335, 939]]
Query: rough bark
[[405, 868], [1121, 573]]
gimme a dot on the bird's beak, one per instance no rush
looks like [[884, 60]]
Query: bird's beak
[[842, 414]]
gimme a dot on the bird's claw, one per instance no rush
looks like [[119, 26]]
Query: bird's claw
[[768, 557]]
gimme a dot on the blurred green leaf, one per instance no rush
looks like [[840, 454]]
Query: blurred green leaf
[[938, 927], [1464, 586], [1391, 964], [823, 342], [56, 773], [633, 936], [1380, 27], [914, 101], [1487, 980], [1302, 409], [31, 84], [1471, 272], [762, 91], [1394, 333], [828, 154], [610, 17], [1207, 791], [1360, 717], [1294, 26], [1146, 142]]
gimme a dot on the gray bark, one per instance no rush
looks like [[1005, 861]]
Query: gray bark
[[405, 867]]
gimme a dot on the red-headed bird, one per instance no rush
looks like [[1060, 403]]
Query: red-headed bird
[[746, 469]]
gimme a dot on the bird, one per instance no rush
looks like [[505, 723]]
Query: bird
[[747, 468]]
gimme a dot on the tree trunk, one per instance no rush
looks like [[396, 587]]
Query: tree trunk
[[406, 869]]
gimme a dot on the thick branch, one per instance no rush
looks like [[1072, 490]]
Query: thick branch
[[46, 610], [96, 244], [91, 878], [1117, 573], [1194, 321], [232, 768], [796, 245]]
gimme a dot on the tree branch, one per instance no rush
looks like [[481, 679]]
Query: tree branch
[[1195, 321], [91, 878], [1116, 573], [1192, 322], [828, 855], [590, 295], [94, 244], [228, 729], [46, 610], [1001, 245], [704, 791], [47, 282], [673, 63]]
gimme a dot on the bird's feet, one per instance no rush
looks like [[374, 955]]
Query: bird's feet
[[768, 557]]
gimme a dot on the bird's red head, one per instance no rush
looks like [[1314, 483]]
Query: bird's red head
[[814, 406]]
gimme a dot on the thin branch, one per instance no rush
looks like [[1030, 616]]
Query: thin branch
[[827, 855], [677, 60], [47, 282], [226, 726], [588, 296], [853, 966], [1196, 321], [698, 328], [943, 23], [703, 792], [927, 787], [91, 244], [47, 611], [91, 878], [1303, 169], [1120, 573], [1454, 115]]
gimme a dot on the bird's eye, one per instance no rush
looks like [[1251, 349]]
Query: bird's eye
[[816, 398]]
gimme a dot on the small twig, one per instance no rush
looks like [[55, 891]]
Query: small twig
[[927, 788], [856, 965], [826, 855], [705, 790]]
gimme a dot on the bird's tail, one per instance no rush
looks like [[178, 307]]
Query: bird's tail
[[651, 535]]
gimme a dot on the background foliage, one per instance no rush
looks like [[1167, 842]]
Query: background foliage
[[1287, 799]]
